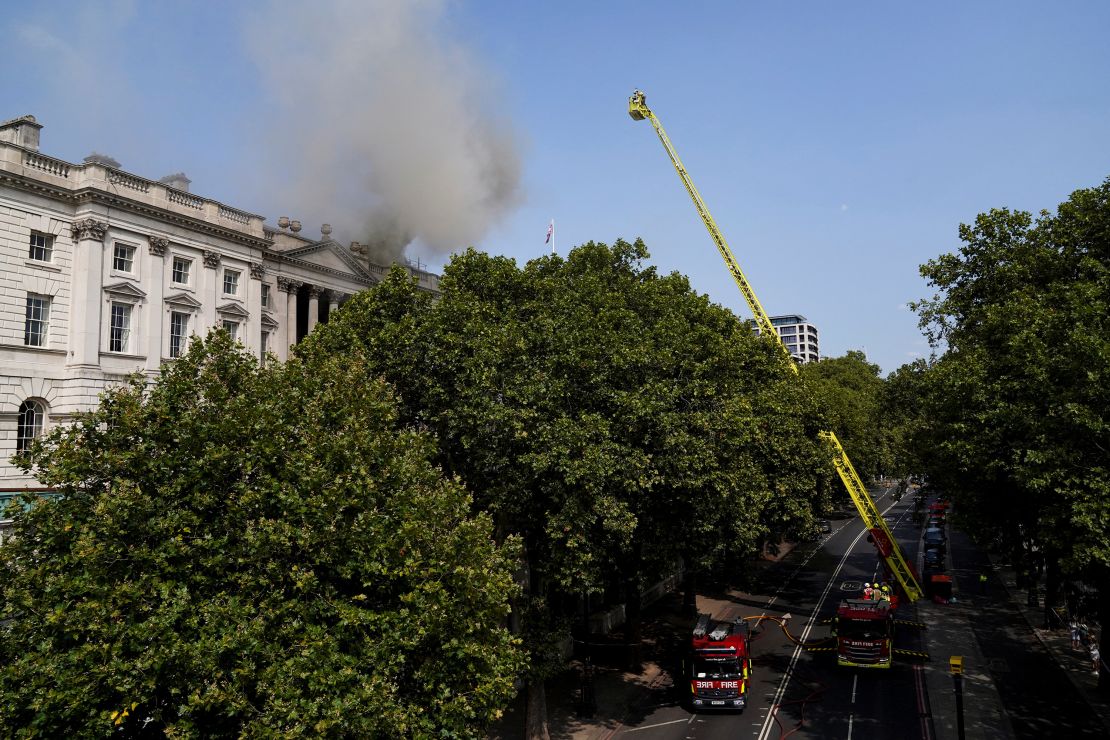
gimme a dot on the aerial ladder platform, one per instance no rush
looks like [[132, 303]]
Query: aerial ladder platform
[[883, 538]]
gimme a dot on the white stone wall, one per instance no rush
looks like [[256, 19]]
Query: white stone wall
[[40, 194]]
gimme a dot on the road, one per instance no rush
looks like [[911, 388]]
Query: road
[[791, 683]]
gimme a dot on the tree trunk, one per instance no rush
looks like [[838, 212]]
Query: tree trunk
[[632, 614], [689, 590], [1051, 590], [536, 712]]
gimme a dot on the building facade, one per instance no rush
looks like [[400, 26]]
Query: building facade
[[799, 336], [104, 273]]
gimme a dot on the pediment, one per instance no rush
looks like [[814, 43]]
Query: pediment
[[330, 255], [124, 289], [233, 309], [183, 299], [268, 321]]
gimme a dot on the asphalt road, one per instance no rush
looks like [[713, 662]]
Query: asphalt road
[[791, 683]]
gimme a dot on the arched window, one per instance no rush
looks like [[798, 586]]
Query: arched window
[[31, 415]]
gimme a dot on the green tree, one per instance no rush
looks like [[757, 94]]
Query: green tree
[[1019, 397], [251, 551], [850, 390], [611, 417]]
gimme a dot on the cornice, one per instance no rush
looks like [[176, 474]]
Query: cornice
[[93, 195], [281, 258]]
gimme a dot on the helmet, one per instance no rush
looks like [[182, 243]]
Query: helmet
[[886, 589]]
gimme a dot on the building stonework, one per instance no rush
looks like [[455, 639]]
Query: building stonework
[[104, 274]]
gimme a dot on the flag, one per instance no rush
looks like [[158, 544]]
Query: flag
[[550, 231]]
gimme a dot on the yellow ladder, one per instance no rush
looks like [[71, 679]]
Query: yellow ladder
[[873, 520]]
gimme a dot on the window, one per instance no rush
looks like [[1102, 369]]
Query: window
[[232, 328], [42, 247], [265, 296], [30, 424], [181, 267], [119, 336], [264, 344], [179, 332], [123, 258], [34, 328], [231, 282]]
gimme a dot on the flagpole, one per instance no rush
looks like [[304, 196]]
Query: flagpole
[[553, 236]]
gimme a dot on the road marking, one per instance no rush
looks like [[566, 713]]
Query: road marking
[[765, 732], [919, 690], [630, 730], [855, 680]]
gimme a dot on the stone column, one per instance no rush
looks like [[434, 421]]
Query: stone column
[[313, 307], [333, 303], [85, 304], [157, 322], [209, 296], [254, 305], [288, 332]]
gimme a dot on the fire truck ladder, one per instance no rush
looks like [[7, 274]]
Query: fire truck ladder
[[884, 540]]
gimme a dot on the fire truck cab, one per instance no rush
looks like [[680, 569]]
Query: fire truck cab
[[864, 633], [719, 664]]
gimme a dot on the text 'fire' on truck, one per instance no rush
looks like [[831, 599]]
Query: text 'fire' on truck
[[719, 664]]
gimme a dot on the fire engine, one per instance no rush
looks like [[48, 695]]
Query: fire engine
[[719, 664], [865, 633]]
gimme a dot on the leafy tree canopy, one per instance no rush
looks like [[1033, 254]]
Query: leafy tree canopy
[[251, 551], [1020, 396], [850, 391], [602, 411]]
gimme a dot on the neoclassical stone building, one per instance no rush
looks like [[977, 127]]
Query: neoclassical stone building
[[104, 273]]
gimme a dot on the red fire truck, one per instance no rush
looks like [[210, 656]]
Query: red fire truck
[[865, 633], [719, 664]]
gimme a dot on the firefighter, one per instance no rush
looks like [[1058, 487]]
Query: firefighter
[[884, 594], [868, 592]]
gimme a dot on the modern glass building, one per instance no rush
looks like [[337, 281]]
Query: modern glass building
[[799, 336]]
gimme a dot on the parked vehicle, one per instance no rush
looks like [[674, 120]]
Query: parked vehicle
[[719, 664]]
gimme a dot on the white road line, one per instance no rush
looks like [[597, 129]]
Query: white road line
[[855, 680], [630, 730], [768, 721]]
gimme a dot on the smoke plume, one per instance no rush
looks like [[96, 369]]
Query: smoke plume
[[383, 125]]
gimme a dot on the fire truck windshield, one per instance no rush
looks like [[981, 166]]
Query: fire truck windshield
[[716, 668], [863, 629]]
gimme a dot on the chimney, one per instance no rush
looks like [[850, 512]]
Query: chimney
[[104, 159], [177, 181], [22, 132]]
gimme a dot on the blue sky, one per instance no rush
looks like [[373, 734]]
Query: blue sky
[[838, 145]]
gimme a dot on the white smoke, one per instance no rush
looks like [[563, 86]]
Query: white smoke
[[383, 125]]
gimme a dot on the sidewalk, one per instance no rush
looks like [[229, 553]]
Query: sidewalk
[[949, 633], [621, 698], [1075, 662]]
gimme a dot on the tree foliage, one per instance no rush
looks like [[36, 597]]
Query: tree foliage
[[850, 390], [251, 551], [1018, 401], [610, 416]]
